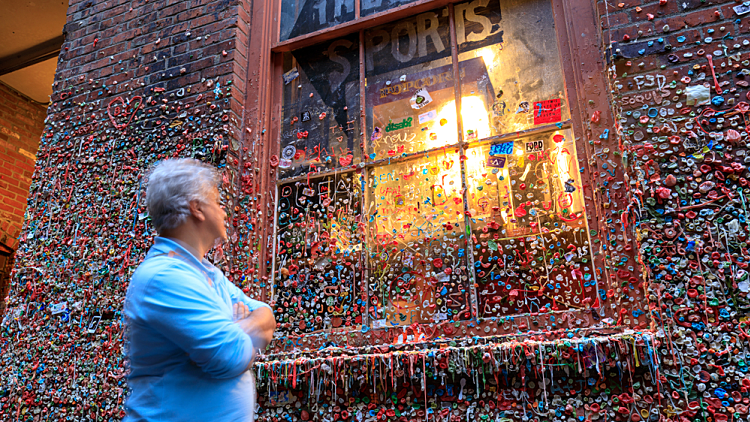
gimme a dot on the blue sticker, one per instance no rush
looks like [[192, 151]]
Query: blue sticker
[[504, 148]]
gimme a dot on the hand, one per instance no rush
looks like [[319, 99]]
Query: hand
[[240, 311]]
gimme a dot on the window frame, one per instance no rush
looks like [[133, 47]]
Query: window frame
[[583, 71]]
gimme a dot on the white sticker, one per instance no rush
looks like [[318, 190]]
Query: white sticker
[[420, 99], [58, 307], [534, 146], [439, 316], [288, 152], [426, 117], [698, 95], [94, 323], [742, 9]]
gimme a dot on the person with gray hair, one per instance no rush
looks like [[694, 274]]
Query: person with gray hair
[[192, 335]]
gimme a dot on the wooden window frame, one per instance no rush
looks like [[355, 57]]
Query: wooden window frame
[[583, 67]]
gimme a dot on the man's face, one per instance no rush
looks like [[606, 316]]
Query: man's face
[[215, 216]]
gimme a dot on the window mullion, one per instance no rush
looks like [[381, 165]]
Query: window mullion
[[469, 256], [456, 81], [362, 99]]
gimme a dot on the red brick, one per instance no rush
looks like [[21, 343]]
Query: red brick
[[691, 19], [15, 204], [9, 181], [613, 20], [718, 34], [23, 166], [7, 208], [6, 194], [656, 9], [21, 194]]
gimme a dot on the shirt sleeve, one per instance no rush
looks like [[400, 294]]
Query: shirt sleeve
[[177, 303], [238, 295]]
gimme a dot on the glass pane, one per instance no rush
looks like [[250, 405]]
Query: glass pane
[[320, 117], [528, 225], [318, 251], [370, 7], [300, 17], [410, 98], [416, 242], [520, 81]]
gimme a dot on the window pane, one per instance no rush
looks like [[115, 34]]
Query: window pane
[[410, 98], [300, 17], [370, 7], [416, 242], [318, 246], [320, 117], [531, 243], [521, 81]]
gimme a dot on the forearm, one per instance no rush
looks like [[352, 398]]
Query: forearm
[[259, 325], [261, 336]]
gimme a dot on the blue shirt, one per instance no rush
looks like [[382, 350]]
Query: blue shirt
[[188, 359]]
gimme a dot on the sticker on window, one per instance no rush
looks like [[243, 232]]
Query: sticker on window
[[290, 76], [504, 148], [534, 146], [420, 99], [405, 123], [547, 111], [426, 117], [496, 162]]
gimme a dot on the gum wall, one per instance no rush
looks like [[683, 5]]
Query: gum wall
[[662, 153]]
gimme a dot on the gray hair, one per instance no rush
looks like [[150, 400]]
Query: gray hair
[[172, 185]]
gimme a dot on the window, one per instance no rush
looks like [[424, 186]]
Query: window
[[428, 169]]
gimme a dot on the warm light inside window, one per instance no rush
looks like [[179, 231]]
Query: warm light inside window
[[474, 114], [563, 162], [488, 55]]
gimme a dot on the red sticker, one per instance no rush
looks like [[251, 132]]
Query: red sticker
[[547, 111]]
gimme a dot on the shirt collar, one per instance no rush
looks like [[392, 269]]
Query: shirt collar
[[188, 248], [166, 245]]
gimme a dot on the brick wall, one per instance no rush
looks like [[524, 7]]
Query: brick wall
[[21, 125], [679, 77], [137, 81], [142, 80]]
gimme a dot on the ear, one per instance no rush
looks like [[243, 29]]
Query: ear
[[196, 210]]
